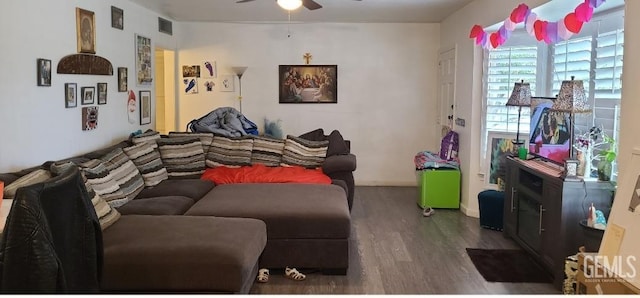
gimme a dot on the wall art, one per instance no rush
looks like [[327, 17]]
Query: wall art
[[144, 72], [210, 85], [87, 94], [499, 146], [86, 31], [190, 85], [145, 107], [189, 71], [117, 18], [212, 68], [102, 93], [70, 95], [123, 83], [131, 107], [44, 72], [226, 83], [89, 118], [308, 84]]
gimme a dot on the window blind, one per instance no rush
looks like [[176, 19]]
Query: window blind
[[506, 66]]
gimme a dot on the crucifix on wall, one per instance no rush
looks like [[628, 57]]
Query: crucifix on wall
[[307, 58]]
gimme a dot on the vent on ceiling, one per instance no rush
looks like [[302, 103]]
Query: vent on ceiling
[[165, 26]]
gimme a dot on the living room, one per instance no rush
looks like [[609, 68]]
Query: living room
[[387, 89]]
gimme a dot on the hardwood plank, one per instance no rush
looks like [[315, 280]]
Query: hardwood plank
[[395, 250]]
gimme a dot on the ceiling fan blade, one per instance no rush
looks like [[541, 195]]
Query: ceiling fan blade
[[311, 5], [244, 1]]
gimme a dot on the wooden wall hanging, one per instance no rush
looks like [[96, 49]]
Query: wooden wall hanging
[[85, 64]]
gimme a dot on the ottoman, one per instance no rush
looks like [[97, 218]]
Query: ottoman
[[491, 204], [308, 225]]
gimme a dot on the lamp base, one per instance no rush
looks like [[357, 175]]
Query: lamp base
[[571, 170]]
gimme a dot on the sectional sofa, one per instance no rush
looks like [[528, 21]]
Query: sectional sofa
[[166, 230]]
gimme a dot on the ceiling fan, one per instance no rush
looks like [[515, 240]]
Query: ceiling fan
[[294, 4]]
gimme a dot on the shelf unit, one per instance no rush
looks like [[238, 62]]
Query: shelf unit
[[542, 212]]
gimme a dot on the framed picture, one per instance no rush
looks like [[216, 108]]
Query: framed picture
[[70, 95], [499, 146], [191, 71], [226, 83], [86, 31], [123, 83], [87, 93], [89, 118], [190, 85], [145, 107], [44, 72], [308, 83], [117, 18], [144, 73], [102, 93]]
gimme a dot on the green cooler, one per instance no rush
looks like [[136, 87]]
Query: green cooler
[[439, 188]]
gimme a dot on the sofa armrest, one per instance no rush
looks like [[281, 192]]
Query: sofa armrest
[[339, 163]]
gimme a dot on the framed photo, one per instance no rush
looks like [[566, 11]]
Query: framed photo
[[44, 72], [89, 118], [102, 93], [226, 83], [145, 107], [308, 83], [87, 93], [191, 71], [499, 146], [123, 83], [70, 95], [117, 18], [86, 31], [144, 73]]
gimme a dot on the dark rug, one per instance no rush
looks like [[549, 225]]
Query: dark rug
[[507, 265]]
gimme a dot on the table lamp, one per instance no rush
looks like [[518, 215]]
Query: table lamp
[[520, 97], [572, 100]]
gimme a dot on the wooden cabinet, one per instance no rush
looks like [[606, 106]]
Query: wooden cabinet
[[542, 212]]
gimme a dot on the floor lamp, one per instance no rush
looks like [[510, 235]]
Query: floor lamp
[[572, 100], [520, 97], [239, 71]]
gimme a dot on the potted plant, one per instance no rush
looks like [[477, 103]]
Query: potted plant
[[607, 156]]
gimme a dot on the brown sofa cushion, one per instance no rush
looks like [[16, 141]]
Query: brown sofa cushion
[[170, 205], [302, 211], [190, 188], [148, 253]]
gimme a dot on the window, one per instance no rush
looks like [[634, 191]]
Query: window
[[505, 67], [594, 56]]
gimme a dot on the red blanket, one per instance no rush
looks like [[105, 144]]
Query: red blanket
[[259, 173]]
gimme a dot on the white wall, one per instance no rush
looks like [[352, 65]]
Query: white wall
[[455, 33], [387, 85], [34, 123]]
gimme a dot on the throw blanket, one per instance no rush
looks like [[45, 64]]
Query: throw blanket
[[260, 173], [224, 121]]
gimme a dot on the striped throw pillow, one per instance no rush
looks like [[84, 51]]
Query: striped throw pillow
[[304, 153], [125, 172], [148, 136], [205, 138], [34, 177], [267, 151], [147, 159], [230, 152], [183, 157], [106, 215], [103, 182]]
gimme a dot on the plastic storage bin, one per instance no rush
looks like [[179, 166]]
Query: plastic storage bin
[[439, 188]]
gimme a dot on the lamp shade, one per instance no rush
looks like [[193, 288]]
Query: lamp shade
[[290, 4], [239, 70], [521, 95], [571, 98]]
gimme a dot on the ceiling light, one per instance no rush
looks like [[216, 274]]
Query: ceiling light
[[290, 4]]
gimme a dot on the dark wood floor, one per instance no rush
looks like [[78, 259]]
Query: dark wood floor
[[395, 250]]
